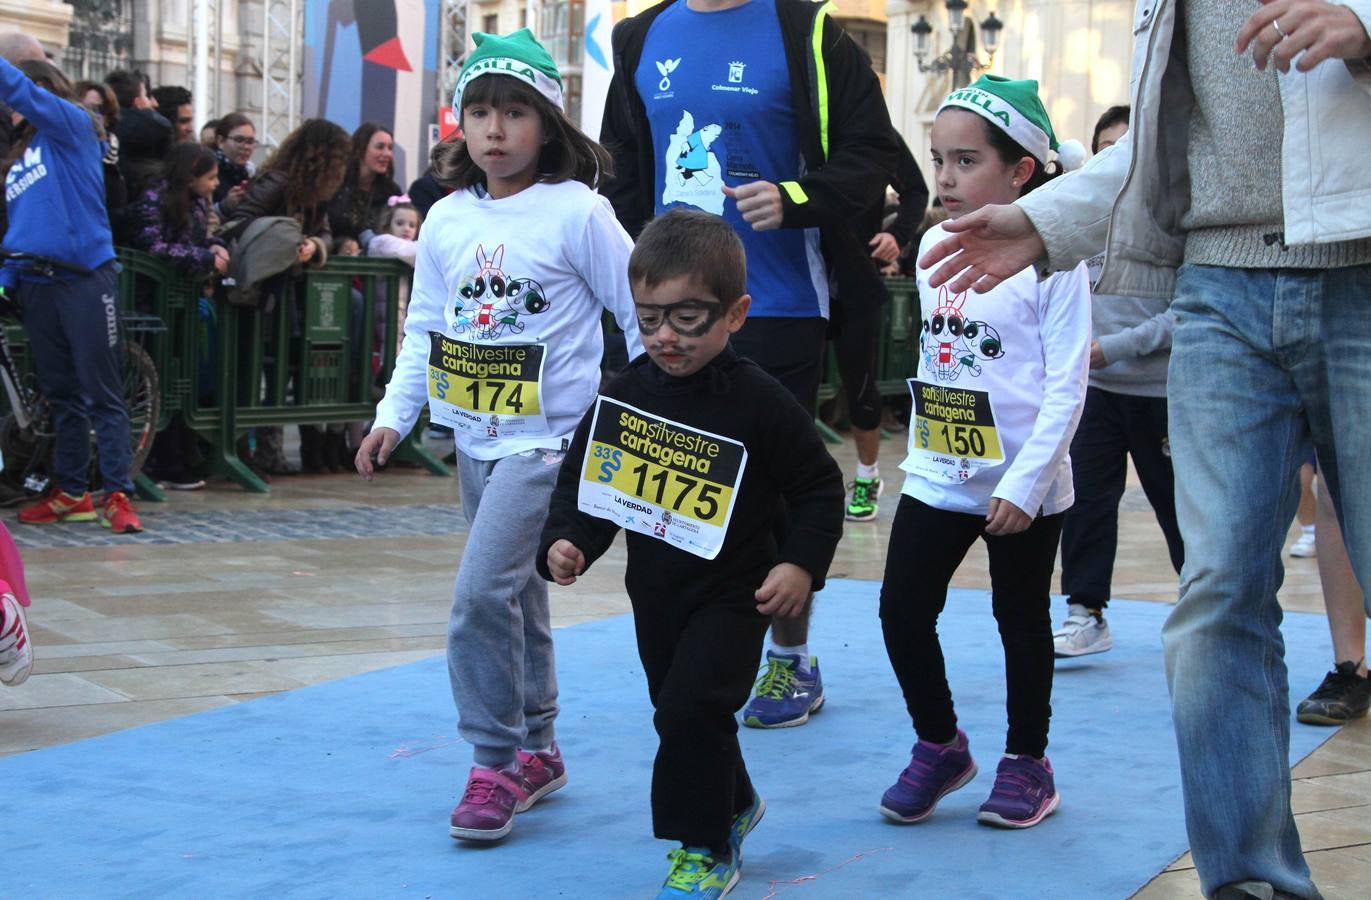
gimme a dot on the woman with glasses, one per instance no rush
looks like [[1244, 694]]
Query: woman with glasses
[[236, 138]]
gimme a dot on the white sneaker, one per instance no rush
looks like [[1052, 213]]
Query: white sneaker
[[1081, 634], [1303, 548], [16, 650]]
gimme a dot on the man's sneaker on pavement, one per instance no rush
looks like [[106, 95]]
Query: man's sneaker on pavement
[[696, 873], [117, 514], [785, 696], [59, 506], [1024, 794], [1082, 633], [934, 771], [486, 812], [539, 774], [1342, 696], [1305, 546], [16, 650], [865, 493], [743, 823]]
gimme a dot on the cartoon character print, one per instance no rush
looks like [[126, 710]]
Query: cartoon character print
[[952, 343], [490, 302]]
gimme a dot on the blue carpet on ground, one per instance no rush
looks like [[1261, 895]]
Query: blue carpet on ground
[[343, 789]]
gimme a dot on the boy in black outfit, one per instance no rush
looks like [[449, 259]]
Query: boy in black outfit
[[690, 449]]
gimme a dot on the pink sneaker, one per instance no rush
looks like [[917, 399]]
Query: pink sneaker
[[540, 774], [486, 812], [16, 650]]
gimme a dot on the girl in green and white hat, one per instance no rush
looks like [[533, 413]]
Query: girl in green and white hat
[[1000, 385], [513, 272]]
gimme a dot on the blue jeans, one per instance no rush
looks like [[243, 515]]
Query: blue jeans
[[1266, 364]]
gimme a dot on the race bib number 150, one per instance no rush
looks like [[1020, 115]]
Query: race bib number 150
[[660, 478], [952, 433]]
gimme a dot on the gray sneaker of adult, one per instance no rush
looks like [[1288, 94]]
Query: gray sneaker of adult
[[1081, 634]]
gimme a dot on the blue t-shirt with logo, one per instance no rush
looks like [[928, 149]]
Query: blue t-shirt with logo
[[717, 92]]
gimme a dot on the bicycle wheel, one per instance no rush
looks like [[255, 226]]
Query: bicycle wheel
[[143, 397]]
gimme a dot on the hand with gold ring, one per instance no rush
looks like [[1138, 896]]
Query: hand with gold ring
[[1313, 30]]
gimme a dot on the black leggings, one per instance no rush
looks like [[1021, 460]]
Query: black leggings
[[855, 349], [926, 546]]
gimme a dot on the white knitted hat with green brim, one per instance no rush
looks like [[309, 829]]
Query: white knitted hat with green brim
[[518, 55]]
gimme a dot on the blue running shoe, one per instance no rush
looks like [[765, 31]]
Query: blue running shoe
[[697, 875], [743, 823], [785, 696], [934, 771]]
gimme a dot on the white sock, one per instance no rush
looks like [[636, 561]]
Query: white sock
[[1307, 529], [801, 649], [869, 472]]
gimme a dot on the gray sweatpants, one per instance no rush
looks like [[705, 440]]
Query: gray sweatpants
[[499, 639]]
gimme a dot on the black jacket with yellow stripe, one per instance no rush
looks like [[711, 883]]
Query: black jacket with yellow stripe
[[844, 132]]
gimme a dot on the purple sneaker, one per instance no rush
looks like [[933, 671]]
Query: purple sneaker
[[934, 771], [540, 774], [1024, 794], [486, 812]]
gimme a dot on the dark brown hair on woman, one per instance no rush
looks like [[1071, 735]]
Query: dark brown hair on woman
[[313, 157], [567, 155]]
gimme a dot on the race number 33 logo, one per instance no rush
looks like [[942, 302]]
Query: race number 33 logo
[[660, 477]]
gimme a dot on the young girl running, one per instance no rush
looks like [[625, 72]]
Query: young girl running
[[503, 342], [1000, 386]]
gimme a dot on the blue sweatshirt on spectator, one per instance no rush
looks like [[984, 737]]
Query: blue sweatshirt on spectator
[[55, 191]]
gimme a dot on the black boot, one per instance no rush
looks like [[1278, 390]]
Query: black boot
[[311, 449]]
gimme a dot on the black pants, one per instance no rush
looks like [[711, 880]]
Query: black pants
[[926, 546], [789, 350], [855, 348], [700, 665], [1114, 427]]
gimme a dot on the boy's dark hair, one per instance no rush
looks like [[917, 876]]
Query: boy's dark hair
[[125, 86], [568, 154], [1115, 115], [693, 244], [171, 97]]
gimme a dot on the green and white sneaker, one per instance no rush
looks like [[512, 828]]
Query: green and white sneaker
[[863, 506], [696, 874]]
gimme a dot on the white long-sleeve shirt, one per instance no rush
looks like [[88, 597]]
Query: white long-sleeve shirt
[[1023, 350], [560, 243]]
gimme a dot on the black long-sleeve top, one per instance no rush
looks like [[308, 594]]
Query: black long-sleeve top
[[787, 460]]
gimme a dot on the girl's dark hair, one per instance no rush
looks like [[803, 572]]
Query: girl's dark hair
[[313, 157], [185, 163], [387, 213], [223, 127], [109, 106], [1011, 151], [361, 139], [567, 155]]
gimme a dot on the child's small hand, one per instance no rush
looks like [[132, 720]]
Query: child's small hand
[[379, 443], [221, 259], [1005, 518], [565, 561], [785, 591]]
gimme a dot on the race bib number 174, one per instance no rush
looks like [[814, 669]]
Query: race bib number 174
[[660, 478], [490, 390]]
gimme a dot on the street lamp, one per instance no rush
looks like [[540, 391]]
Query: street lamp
[[960, 61]]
